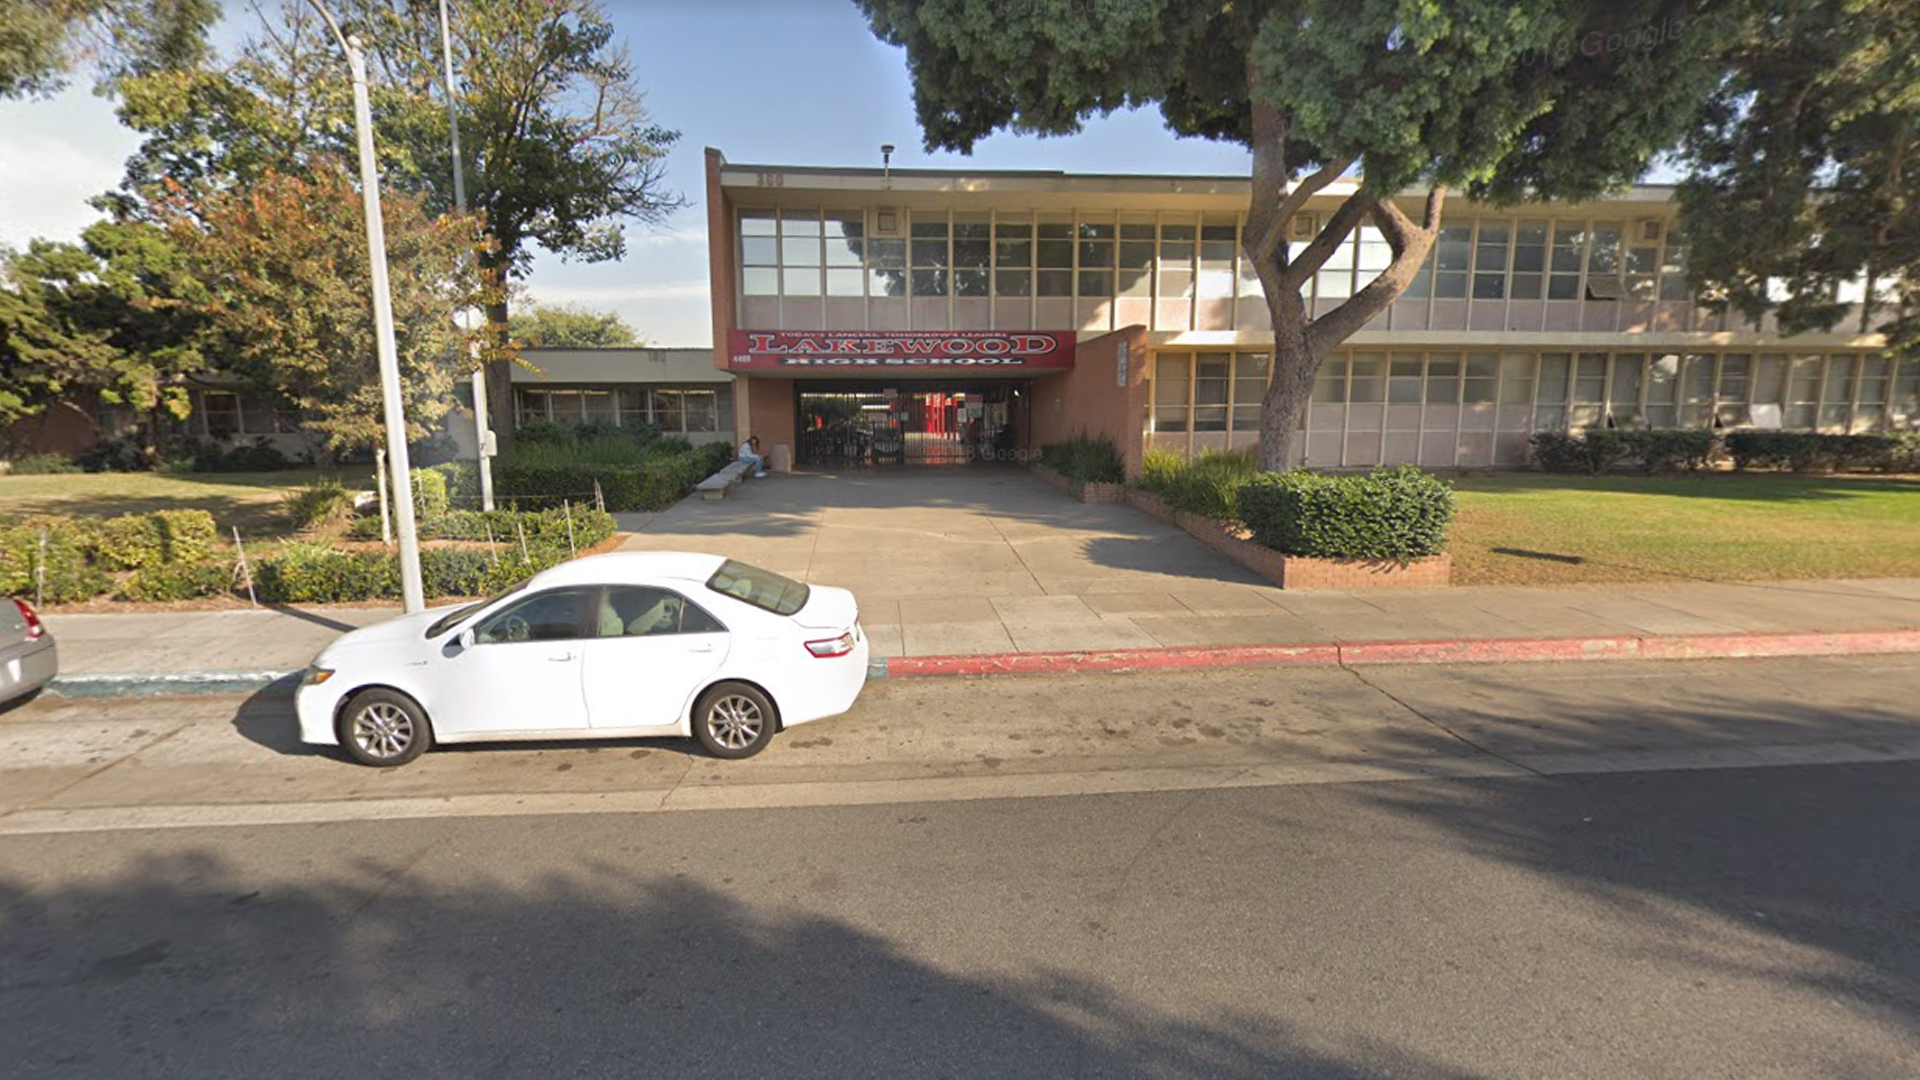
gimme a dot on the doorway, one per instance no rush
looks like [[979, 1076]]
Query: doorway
[[950, 423]]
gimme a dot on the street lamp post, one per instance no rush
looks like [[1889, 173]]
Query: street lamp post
[[482, 430], [394, 413]]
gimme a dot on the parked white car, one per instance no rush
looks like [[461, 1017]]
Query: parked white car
[[28, 658], [623, 645]]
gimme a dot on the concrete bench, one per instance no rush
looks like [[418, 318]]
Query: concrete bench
[[717, 485]]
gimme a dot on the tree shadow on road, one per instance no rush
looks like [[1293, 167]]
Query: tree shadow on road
[[182, 965]]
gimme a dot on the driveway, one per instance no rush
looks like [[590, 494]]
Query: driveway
[[967, 561]]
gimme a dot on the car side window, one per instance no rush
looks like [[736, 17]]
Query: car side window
[[638, 611], [559, 615]]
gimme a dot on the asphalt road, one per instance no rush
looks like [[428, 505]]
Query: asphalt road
[[1595, 886]]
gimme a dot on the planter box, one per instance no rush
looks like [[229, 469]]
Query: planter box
[[1085, 492], [1297, 571]]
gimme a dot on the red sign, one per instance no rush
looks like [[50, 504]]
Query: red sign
[[904, 350]]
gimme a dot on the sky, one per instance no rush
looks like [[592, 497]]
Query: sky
[[793, 82]]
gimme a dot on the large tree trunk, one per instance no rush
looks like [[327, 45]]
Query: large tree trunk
[[500, 412], [1294, 365]]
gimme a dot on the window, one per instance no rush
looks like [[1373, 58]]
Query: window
[[1641, 266], [886, 267], [598, 407], [846, 238], [1334, 280], [633, 611], [1452, 253], [1836, 394], [1136, 258], [972, 251], [222, 412], [1696, 391], [1673, 273], [1212, 373], [1550, 399], [759, 253], [1569, 244], [1177, 253], [1330, 382], [1623, 392], [1369, 383], [1803, 391], [931, 256], [1249, 389], [1589, 390], [687, 410], [1663, 381], [1217, 252], [800, 253], [763, 589], [1490, 260], [1405, 379], [1603, 256], [1372, 255], [1529, 260], [1095, 252], [1735, 377], [1516, 379], [1170, 392], [1443, 379], [1872, 407], [1482, 381], [1013, 257], [557, 615], [1055, 251]]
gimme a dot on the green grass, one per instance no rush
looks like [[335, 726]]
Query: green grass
[[1537, 529], [251, 501]]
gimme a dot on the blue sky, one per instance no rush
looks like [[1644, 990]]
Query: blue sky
[[799, 82]]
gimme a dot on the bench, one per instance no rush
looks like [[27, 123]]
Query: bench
[[717, 485]]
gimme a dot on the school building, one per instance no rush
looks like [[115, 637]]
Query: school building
[[920, 315]]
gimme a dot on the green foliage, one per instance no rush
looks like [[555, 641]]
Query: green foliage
[[49, 464], [319, 505], [62, 564], [1801, 451], [139, 541], [462, 480], [180, 581], [1603, 450], [566, 326], [1208, 484], [1399, 514], [430, 499], [541, 527], [1086, 459], [632, 476], [41, 42], [302, 573]]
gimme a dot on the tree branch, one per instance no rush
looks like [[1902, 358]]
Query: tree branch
[[1410, 244], [1296, 197], [1331, 236]]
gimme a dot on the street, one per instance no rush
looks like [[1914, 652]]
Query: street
[[1601, 870]]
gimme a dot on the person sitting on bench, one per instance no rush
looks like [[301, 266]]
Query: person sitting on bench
[[750, 453]]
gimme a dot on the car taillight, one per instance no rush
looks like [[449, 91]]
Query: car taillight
[[839, 646], [35, 630]]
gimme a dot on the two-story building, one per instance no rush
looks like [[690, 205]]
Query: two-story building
[[927, 310]]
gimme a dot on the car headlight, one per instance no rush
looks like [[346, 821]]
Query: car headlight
[[315, 675]]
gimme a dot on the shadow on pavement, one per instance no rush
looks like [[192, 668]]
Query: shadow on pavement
[[182, 966]]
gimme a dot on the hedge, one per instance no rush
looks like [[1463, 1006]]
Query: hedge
[[69, 574], [1602, 450], [1086, 459], [316, 574], [590, 526], [652, 485], [1399, 514], [180, 581], [1208, 484], [1802, 451], [1656, 450]]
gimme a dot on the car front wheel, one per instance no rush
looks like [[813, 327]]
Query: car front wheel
[[733, 720], [384, 728]]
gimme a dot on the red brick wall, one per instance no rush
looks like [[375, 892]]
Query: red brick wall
[[770, 411], [721, 274], [1088, 398]]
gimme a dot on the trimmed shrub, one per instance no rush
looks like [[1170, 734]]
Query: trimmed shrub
[[317, 574], [1805, 451], [429, 493], [48, 464], [179, 581], [536, 482], [1603, 450], [1086, 459], [318, 505], [138, 541], [68, 575], [1399, 514], [1672, 449], [462, 480], [1208, 484]]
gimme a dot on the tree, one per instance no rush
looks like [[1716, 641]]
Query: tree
[[564, 326], [561, 154], [1512, 101], [42, 40], [97, 317], [1806, 174], [279, 271]]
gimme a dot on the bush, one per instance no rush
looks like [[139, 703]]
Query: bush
[[319, 504], [1662, 450], [463, 482], [138, 541], [117, 454], [69, 576], [1086, 459], [43, 465], [429, 493], [1208, 485], [180, 581], [317, 574], [1605, 450], [1805, 451], [1398, 514], [629, 479]]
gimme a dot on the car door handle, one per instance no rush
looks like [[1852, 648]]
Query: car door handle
[[561, 658], [700, 648]]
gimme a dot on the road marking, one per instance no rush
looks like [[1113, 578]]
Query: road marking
[[697, 797]]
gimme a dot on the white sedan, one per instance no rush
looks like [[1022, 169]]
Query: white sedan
[[614, 646]]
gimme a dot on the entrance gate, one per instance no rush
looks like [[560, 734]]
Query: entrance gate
[[945, 423]]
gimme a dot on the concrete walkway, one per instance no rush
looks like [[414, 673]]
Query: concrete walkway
[[988, 563]]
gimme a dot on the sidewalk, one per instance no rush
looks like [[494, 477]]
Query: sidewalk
[[1217, 624]]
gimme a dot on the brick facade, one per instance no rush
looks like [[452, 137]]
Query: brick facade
[[1086, 493]]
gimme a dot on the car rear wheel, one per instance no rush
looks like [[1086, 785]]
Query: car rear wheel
[[733, 720], [384, 728]]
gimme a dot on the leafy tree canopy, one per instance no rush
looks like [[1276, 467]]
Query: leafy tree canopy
[[565, 326], [41, 41]]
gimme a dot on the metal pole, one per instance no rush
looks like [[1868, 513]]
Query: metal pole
[[480, 426], [412, 595]]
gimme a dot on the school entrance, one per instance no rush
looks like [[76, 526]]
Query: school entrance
[[932, 422]]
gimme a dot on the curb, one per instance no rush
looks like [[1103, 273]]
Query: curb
[[1346, 654]]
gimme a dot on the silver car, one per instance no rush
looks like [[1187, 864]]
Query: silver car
[[28, 659]]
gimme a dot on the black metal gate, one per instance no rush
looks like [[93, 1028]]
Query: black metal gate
[[941, 424]]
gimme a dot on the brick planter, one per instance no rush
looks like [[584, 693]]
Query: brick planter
[[1297, 571], [1085, 492]]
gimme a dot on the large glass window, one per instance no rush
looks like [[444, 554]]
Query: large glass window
[[1516, 379], [1212, 373], [1175, 264], [1369, 381], [1453, 255], [1623, 392], [1249, 389], [1170, 392], [1217, 249], [1482, 379], [1803, 391], [931, 256], [1569, 245], [1055, 250], [1603, 250], [1136, 258], [1529, 260], [1696, 390], [1013, 257], [1550, 397], [1736, 371], [1642, 265], [1836, 394], [1334, 281], [1673, 272], [1405, 378], [1330, 382], [1372, 256], [1443, 379], [886, 267], [759, 253], [846, 239], [1490, 260], [1663, 380], [800, 252], [1095, 251], [972, 250]]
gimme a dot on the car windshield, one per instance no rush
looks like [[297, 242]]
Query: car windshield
[[453, 618], [763, 589]]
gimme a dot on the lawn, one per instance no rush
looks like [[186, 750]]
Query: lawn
[[250, 501], [1538, 529]]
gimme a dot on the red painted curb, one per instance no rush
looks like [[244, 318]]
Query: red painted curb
[[1459, 651]]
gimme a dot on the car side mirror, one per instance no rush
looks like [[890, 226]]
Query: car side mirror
[[467, 638]]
